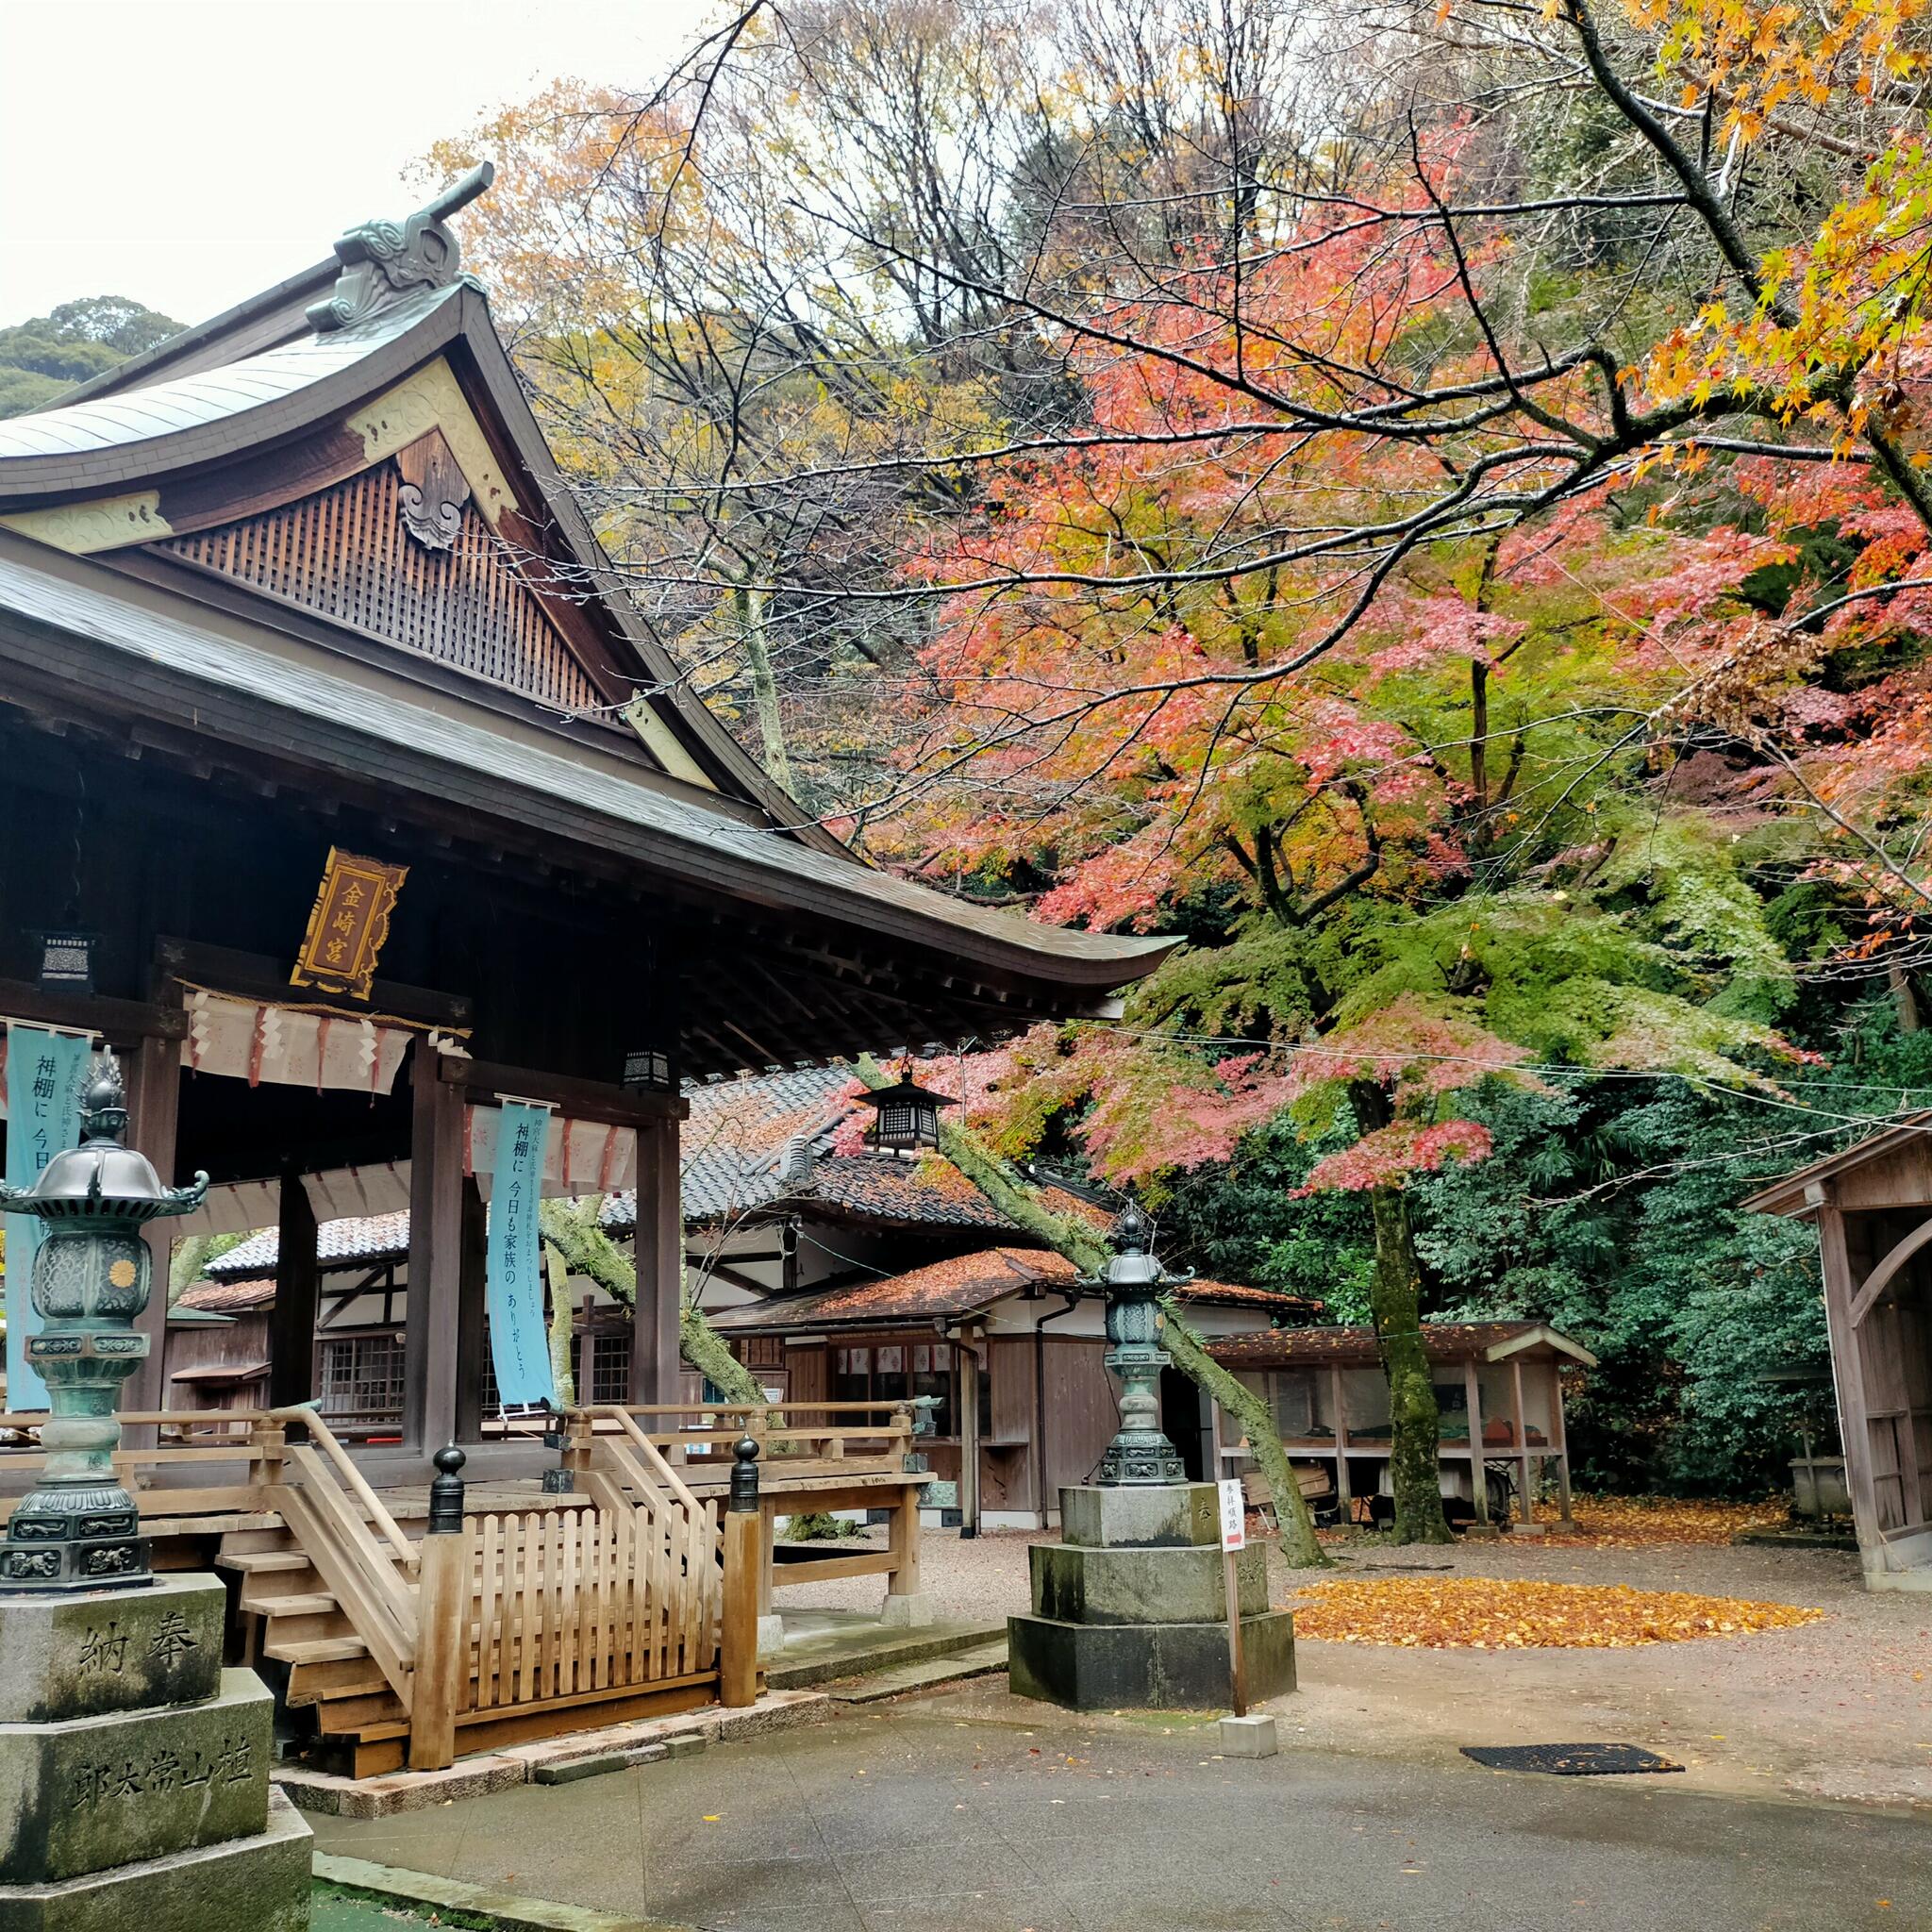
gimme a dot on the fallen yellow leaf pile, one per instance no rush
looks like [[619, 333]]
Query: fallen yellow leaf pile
[[1628, 1523], [1486, 1613]]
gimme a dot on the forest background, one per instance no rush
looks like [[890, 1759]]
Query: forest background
[[1428, 506]]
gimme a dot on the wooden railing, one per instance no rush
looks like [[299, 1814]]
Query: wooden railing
[[351, 1477], [854, 1437]]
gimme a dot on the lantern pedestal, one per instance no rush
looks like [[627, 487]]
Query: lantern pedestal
[[1130, 1609], [134, 1770]]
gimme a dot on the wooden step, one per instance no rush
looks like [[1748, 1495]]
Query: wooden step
[[289, 1604], [341, 1716], [305, 1626], [314, 1649], [238, 1542], [251, 1562], [326, 1679]]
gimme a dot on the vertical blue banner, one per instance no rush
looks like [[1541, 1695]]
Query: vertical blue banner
[[45, 1074], [513, 1284]]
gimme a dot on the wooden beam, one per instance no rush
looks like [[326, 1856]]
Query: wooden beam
[[581, 1100], [291, 1322], [256, 977], [1562, 1436], [119, 1021], [436, 1233], [659, 1250]]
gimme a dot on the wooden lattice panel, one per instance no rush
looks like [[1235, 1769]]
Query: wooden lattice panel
[[345, 553]]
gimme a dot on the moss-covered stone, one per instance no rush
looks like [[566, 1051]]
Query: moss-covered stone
[[92, 1792], [255, 1884], [1080, 1585], [1148, 1666], [68, 1657], [1160, 1516]]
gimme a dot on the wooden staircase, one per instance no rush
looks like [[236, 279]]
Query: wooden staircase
[[362, 1726], [540, 1621]]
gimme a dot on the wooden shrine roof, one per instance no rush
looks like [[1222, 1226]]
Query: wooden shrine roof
[[1353, 1345], [146, 591], [965, 1285], [1892, 1169]]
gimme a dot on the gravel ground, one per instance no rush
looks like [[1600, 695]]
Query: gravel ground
[[1840, 1709]]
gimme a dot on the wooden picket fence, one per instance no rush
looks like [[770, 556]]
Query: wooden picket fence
[[565, 1604]]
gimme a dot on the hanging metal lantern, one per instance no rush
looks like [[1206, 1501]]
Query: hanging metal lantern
[[905, 1115], [78, 1529], [1139, 1453]]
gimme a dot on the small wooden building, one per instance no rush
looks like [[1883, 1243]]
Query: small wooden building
[[1498, 1388], [1010, 1347], [1872, 1204]]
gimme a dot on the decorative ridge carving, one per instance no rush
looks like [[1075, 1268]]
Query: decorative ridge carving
[[384, 260]]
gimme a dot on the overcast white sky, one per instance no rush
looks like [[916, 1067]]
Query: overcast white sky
[[189, 152]]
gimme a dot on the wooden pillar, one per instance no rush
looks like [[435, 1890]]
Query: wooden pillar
[[1478, 1463], [299, 1299], [1561, 1432], [442, 1624], [436, 1237], [969, 1438], [903, 1580], [1338, 1402], [656, 1360], [737, 1618], [153, 1079], [1848, 1370], [474, 1244], [1526, 1505]]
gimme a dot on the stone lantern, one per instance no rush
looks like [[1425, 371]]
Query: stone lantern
[[79, 1529], [1139, 1453]]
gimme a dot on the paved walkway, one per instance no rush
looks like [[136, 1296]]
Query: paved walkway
[[974, 1813]]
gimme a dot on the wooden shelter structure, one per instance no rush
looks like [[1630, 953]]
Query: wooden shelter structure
[[1872, 1207], [1499, 1392], [351, 798], [1009, 1344]]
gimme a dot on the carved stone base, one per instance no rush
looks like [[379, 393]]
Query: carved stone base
[[72, 1536]]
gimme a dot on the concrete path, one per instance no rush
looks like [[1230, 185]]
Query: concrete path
[[944, 1815]]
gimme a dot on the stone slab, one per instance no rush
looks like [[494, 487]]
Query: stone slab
[[67, 1657], [255, 1884], [1147, 1666], [1078, 1583], [92, 1792], [1248, 1736], [1162, 1516], [913, 1611]]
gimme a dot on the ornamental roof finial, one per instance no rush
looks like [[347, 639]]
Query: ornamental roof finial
[[383, 260]]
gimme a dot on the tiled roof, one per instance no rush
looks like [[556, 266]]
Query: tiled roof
[[955, 1287], [960, 1286], [1354, 1347], [354, 1241], [226, 1297]]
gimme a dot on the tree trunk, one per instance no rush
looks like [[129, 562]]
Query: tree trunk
[[562, 1373], [1904, 1002], [764, 685], [1395, 1301], [1083, 1246], [572, 1229]]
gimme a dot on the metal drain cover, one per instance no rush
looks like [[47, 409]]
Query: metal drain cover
[[1570, 1760]]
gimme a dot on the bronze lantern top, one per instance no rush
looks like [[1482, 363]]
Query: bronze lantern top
[[101, 1177]]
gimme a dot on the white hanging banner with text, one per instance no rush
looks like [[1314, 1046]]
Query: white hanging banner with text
[[513, 1278]]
